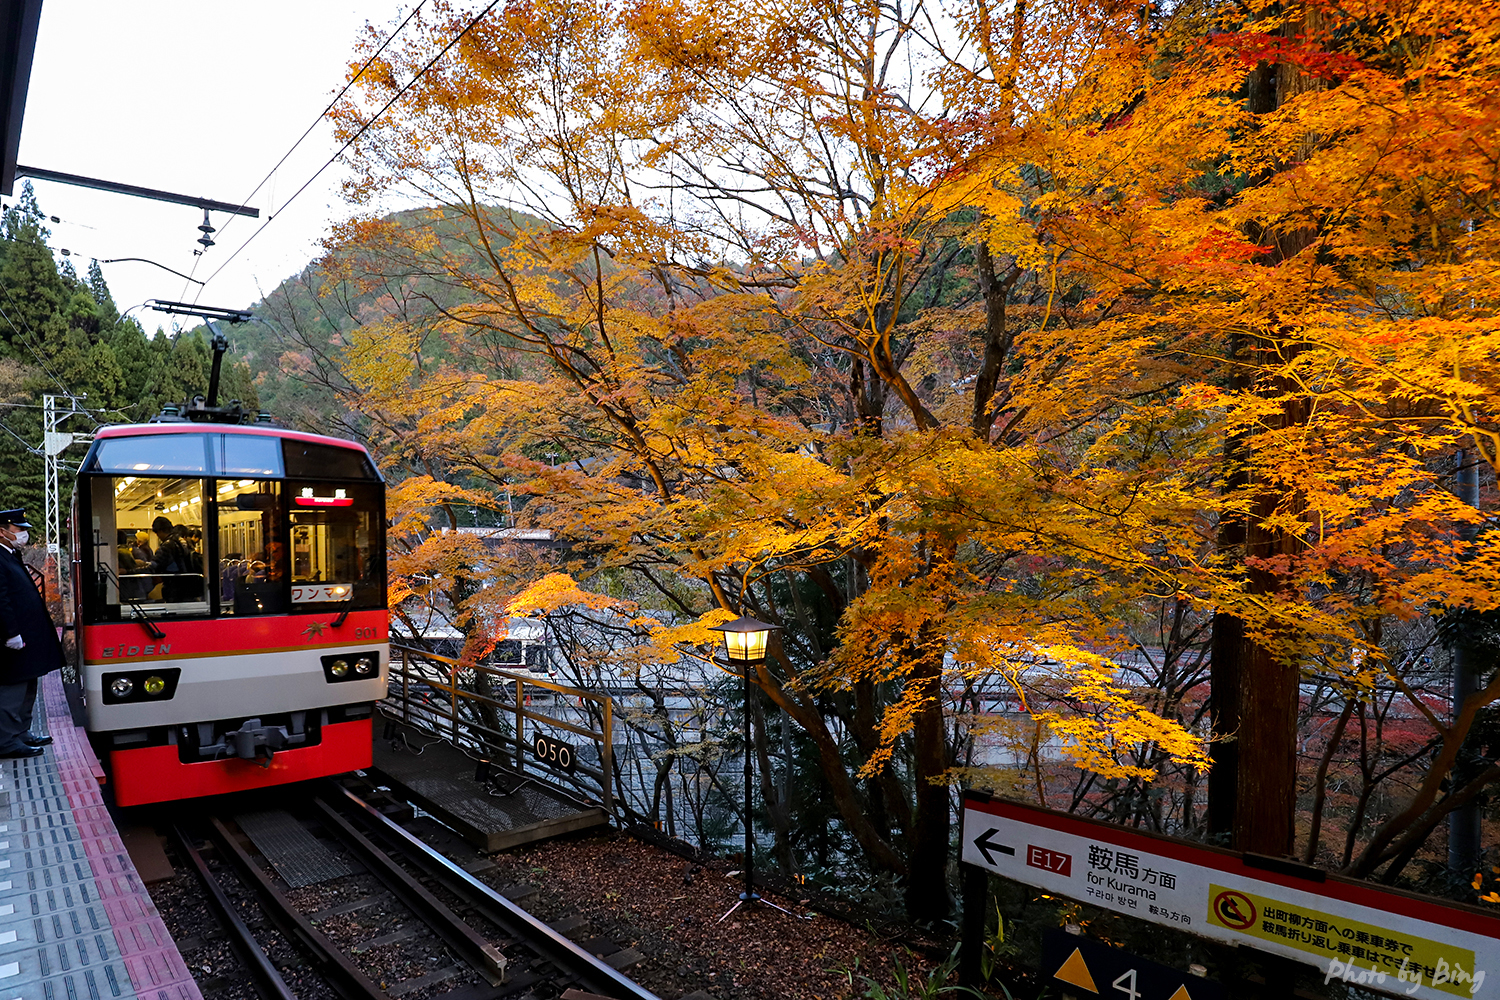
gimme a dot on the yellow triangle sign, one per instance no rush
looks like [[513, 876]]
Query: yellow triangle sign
[[1076, 973], [1181, 994]]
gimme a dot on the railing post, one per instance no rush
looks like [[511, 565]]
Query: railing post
[[405, 690], [520, 727], [453, 705], [607, 756]]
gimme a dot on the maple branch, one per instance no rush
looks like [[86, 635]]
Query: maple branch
[[1320, 782], [1452, 741]]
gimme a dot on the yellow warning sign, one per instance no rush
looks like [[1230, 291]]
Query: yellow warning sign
[[1330, 937], [1075, 972], [1181, 994]]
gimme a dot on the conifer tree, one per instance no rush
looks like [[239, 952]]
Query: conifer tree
[[238, 383], [32, 292], [100, 291], [138, 374], [188, 368]]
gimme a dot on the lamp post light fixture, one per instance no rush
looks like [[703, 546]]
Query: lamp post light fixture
[[745, 641]]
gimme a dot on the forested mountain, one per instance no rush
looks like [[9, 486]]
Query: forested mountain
[[62, 334], [298, 349]]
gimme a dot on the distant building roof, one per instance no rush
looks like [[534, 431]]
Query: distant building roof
[[18, 23], [541, 536]]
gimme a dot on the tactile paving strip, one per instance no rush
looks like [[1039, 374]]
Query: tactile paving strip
[[76, 923], [298, 857]]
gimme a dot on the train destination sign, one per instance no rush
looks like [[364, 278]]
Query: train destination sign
[[1381, 939]]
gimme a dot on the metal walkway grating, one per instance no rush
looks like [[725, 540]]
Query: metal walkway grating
[[298, 857]]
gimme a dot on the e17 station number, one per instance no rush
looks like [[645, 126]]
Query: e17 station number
[[553, 752]]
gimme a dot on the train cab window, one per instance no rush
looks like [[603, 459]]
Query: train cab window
[[337, 558], [252, 547], [149, 552], [249, 455], [153, 453]]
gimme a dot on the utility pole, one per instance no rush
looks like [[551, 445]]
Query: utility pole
[[54, 442], [1463, 822]]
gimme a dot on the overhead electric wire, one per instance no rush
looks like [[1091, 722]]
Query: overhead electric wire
[[355, 137], [331, 104], [198, 257], [39, 406], [123, 260], [30, 448]]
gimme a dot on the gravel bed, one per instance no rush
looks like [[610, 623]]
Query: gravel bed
[[203, 943], [669, 909], [387, 964]]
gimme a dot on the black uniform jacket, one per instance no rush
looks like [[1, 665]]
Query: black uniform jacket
[[23, 613]]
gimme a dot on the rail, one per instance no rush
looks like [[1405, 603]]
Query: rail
[[576, 963], [480, 700], [451, 903]]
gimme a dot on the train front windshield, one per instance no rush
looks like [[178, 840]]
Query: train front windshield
[[222, 524]]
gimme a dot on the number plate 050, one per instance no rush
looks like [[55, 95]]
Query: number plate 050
[[554, 752]]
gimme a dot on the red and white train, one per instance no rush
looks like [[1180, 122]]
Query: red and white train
[[231, 606]]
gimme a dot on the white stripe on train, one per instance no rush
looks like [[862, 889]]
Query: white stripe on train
[[239, 686]]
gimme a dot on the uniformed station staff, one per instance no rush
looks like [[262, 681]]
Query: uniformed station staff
[[31, 648]]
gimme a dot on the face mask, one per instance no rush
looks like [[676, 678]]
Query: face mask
[[22, 537]]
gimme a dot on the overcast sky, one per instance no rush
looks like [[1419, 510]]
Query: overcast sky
[[198, 98]]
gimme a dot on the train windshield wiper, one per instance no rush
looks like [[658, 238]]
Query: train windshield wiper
[[145, 620], [140, 613]]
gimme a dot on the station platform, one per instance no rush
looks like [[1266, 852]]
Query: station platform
[[76, 922], [495, 816]]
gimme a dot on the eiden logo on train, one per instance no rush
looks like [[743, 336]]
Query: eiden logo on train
[[122, 650]]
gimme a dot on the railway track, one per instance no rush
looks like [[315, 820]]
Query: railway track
[[393, 918]]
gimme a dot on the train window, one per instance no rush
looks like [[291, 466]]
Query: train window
[[337, 556], [148, 544], [252, 547], [321, 461], [249, 455], [153, 453]]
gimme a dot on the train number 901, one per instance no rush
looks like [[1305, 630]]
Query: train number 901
[[365, 633], [555, 752]]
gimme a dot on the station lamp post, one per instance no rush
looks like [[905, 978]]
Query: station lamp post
[[745, 641]]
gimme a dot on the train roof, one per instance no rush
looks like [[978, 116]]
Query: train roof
[[138, 430], [232, 450]]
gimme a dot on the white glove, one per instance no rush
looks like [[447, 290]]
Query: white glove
[[15, 642]]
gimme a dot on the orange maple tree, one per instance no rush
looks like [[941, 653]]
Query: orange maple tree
[[922, 332]]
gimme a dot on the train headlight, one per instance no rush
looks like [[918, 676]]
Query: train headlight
[[154, 685], [359, 664], [121, 687]]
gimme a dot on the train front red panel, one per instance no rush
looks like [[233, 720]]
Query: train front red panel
[[124, 643], [156, 774]]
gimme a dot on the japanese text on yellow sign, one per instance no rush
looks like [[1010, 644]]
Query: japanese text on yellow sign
[[1445, 966]]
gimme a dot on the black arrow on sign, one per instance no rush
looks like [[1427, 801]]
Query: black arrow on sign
[[986, 845]]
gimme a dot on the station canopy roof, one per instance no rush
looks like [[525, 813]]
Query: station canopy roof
[[18, 24]]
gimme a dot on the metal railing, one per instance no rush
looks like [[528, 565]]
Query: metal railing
[[485, 708]]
